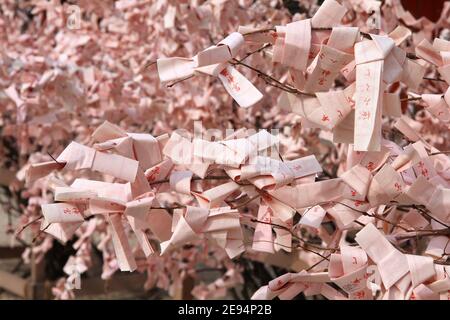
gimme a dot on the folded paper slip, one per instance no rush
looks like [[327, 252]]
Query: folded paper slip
[[122, 248], [120, 192], [215, 196], [313, 217], [62, 212], [378, 61], [232, 151], [293, 44], [77, 156], [137, 213], [263, 239], [358, 178], [437, 54], [348, 270], [332, 57], [181, 151], [39, 170], [438, 105], [268, 173], [435, 198], [391, 263], [289, 285], [411, 156], [214, 61], [297, 43], [220, 224], [312, 193]]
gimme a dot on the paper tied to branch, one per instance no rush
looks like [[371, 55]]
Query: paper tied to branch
[[122, 248], [220, 224], [437, 54], [438, 105], [391, 263], [313, 217], [214, 61], [312, 193], [297, 43], [289, 285], [273, 215], [62, 212], [385, 186], [38, 170], [378, 62], [180, 181], [332, 57], [214, 197], [180, 150], [294, 44], [348, 270], [369, 88], [346, 211], [327, 111], [137, 212], [113, 200], [77, 157], [237, 85], [197, 155], [267, 173], [263, 239], [358, 179], [142, 147], [435, 198], [411, 156]]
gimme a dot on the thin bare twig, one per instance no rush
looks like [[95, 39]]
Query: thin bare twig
[[265, 30], [28, 224], [54, 158], [193, 179], [40, 232], [440, 152], [271, 80], [169, 208], [410, 99], [433, 79], [170, 85], [295, 236]]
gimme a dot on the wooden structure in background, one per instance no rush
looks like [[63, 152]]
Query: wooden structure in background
[[36, 286]]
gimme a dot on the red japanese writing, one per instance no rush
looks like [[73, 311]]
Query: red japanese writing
[[73, 210], [230, 79]]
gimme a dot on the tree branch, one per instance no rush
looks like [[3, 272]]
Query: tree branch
[[29, 224]]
